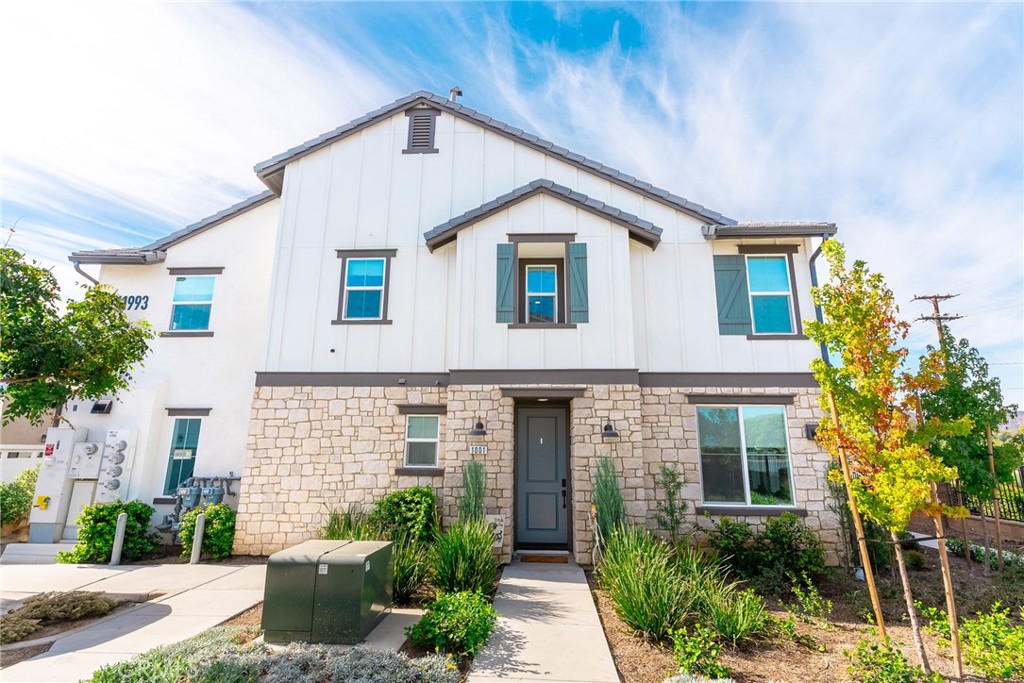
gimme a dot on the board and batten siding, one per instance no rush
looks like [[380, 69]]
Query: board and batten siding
[[652, 310]]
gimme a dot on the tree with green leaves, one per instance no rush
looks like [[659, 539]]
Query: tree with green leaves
[[873, 398], [970, 393], [49, 356]]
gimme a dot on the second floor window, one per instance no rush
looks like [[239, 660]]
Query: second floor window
[[364, 288], [541, 294], [770, 296], [192, 302]]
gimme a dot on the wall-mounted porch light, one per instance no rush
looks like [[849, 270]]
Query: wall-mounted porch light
[[609, 431], [478, 429]]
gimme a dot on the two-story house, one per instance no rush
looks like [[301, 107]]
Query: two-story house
[[427, 285]]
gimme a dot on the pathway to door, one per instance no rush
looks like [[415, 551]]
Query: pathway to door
[[548, 630]]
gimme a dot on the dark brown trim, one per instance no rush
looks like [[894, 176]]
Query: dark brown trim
[[361, 321], [365, 253], [351, 379], [748, 510], [727, 379], [419, 472], [793, 294], [741, 399], [210, 270], [412, 114], [165, 500], [345, 255], [517, 237], [542, 392], [595, 376], [422, 409], [777, 337], [542, 326], [520, 309], [768, 248], [187, 333], [188, 412]]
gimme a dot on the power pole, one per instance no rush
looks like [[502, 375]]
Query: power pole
[[937, 317]]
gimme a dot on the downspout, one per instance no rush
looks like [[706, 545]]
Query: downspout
[[817, 309], [90, 278]]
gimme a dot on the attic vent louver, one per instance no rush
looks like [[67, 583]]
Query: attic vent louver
[[421, 131]]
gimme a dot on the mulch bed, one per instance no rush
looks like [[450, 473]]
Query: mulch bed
[[12, 657], [778, 661]]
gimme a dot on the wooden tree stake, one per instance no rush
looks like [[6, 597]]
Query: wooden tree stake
[[862, 544], [947, 584], [995, 497]]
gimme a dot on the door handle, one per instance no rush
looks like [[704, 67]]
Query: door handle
[[563, 499]]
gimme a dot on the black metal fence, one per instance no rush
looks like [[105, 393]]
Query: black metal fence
[[1011, 499]]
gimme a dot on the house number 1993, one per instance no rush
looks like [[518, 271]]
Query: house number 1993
[[136, 302]]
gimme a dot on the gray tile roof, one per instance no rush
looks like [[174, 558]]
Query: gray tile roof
[[155, 252], [768, 229], [639, 229], [271, 171]]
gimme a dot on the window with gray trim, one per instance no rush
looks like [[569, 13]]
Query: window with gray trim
[[744, 455], [422, 125], [365, 286], [771, 299], [182, 458], [192, 302], [422, 434]]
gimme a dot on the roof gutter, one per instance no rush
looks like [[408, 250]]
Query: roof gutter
[[90, 278], [817, 309]]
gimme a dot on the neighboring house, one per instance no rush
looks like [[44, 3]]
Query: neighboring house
[[21, 447], [427, 285]]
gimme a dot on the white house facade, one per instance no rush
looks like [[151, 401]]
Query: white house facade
[[427, 285]]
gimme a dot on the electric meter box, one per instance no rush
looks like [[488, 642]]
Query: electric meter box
[[327, 591]]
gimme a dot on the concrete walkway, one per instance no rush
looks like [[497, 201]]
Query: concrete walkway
[[184, 600], [548, 630]]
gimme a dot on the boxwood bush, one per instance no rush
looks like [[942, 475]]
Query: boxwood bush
[[218, 534], [456, 623], [96, 528]]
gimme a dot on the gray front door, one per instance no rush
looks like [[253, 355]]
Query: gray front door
[[541, 462]]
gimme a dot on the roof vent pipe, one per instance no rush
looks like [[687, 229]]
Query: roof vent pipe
[[454, 94]]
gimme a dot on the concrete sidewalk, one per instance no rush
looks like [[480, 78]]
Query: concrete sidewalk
[[184, 601], [548, 630]]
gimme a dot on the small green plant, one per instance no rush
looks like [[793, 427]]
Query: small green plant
[[97, 525], [474, 481], [991, 642], [644, 580], [669, 514], [883, 662], [914, 560], [733, 541], [350, 524], [786, 628], [812, 607], [696, 651], [1010, 558], [16, 496], [218, 533], [784, 551], [411, 512], [736, 615], [411, 561], [462, 559], [456, 623], [611, 509]]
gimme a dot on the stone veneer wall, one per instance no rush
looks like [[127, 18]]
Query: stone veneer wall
[[311, 449]]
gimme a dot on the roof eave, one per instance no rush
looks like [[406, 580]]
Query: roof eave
[[717, 232], [144, 258]]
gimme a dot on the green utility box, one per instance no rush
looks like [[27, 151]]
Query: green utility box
[[327, 591]]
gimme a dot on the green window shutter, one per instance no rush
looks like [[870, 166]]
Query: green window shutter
[[731, 293], [579, 299], [504, 312]]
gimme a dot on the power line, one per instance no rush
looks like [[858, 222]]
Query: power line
[[937, 317]]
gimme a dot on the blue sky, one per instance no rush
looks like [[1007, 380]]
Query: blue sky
[[902, 123]]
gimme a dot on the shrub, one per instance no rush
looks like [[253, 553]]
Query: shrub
[[734, 543], [471, 505], [362, 665], [456, 623], [14, 627], [407, 512], [349, 525], [462, 559], [411, 560], [16, 496], [611, 509], [1010, 558], [97, 526], [669, 512], [874, 662], [697, 652], [645, 582], [991, 642], [786, 550], [735, 614], [914, 559], [218, 534], [813, 608], [51, 608]]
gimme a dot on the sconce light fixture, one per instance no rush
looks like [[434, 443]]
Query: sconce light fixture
[[609, 431], [478, 429]]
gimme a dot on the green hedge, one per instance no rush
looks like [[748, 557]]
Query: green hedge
[[219, 532], [97, 526], [16, 496]]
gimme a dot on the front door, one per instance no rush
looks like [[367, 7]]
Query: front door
[[541, 493]]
